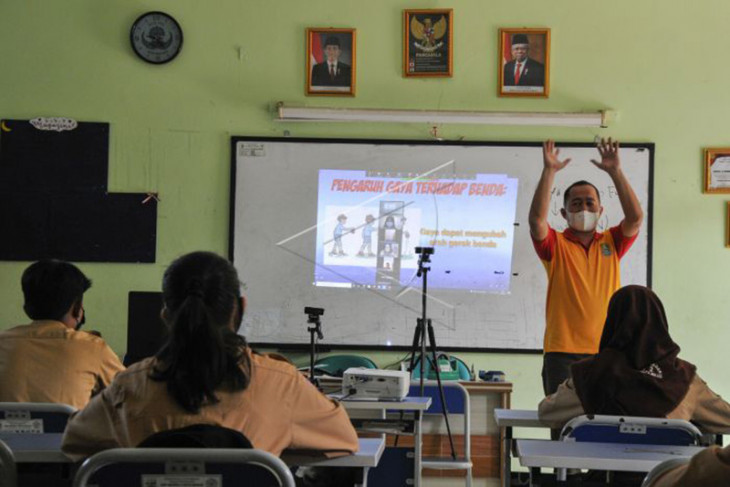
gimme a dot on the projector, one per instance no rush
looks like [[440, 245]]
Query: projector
[[375, 384]]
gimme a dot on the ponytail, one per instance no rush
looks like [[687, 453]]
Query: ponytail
[[202, 354]]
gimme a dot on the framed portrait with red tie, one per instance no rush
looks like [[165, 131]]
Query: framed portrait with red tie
[[524, 62], [330, 61]]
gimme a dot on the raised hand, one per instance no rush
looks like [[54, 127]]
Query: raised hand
[[609, 156], [550, 156]]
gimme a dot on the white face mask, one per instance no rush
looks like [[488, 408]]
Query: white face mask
[[583, 221]]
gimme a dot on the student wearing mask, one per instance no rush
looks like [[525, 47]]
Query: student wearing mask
[[582, 264], [206, 374], [50, 360]]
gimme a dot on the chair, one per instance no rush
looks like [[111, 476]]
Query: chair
[[663, 468], [8, 474], [220, 467], [336, 365], [457, 404], [629, 429], [47, 417]]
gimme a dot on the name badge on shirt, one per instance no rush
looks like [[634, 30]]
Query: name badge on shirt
[[605, 250]]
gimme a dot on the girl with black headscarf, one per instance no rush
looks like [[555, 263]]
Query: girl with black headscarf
[[637, 372]]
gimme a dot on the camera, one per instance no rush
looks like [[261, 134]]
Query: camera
[[424, 250], [314, 311]]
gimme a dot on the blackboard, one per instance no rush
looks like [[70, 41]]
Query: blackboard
[[54, 201]]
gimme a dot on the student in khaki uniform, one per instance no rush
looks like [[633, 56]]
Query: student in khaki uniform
[[50, 360], [206, 374], [709, 468], [637, 372]]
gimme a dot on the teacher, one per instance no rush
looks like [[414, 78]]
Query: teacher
[[582, 264]]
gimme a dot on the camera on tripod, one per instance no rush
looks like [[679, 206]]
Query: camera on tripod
[[312, 313]]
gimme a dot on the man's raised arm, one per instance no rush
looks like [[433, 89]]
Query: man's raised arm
[[541, 199], [611, 163]]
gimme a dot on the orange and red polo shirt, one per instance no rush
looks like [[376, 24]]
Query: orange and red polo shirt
[[581, 281]]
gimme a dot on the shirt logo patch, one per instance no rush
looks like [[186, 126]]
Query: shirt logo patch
[[605, 250]]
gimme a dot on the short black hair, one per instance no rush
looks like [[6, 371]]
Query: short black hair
[[51, 287], [332, 41], [579, 183]]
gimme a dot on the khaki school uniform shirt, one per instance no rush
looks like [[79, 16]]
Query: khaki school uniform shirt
[[46, 361], [706, 469], [279, 409], [701, 405]]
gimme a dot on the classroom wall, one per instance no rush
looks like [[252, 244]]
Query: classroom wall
[[658, 64]]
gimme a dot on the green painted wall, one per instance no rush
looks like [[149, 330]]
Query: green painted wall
[[660, 64]]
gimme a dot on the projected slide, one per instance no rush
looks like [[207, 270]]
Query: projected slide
[[369, 224]]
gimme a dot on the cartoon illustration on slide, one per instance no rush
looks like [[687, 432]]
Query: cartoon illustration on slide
[[340, 230], [370, 224], [367, 237]]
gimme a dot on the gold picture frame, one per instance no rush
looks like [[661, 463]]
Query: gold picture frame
[[717, 170], [428, 42], [331, 61], [524, 62]]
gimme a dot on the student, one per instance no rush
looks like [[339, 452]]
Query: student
[[710, 467], [50, 360], [636, 372], [206, 374]]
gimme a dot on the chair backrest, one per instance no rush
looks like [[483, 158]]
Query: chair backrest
[[34, 417], [336, 365], [457, 403], [215, 467], [197, 436], [8, 473], [631, 429], [663, 468]]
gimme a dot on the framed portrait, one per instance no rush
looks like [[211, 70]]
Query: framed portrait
[[331, 61], [524, 62], [717, 170], [428, 42]]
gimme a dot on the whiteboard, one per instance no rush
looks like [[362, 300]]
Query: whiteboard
[[275, 237]]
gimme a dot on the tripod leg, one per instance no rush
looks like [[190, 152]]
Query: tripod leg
[[444, 409], [418, 335]]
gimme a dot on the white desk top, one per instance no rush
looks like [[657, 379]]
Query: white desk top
[[43, 448], [410, 403], [371, 449], [520, 418], [599, 456]]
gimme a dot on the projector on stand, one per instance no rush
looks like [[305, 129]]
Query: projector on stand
[[375, 384]]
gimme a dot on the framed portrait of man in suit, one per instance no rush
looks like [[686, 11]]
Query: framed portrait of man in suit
[[524, 62], [330, 61], [428, 42]]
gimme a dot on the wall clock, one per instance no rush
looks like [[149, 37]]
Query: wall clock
[[156, 37]]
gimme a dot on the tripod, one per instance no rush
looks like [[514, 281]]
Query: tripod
[[313, 315], [424, 326]]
